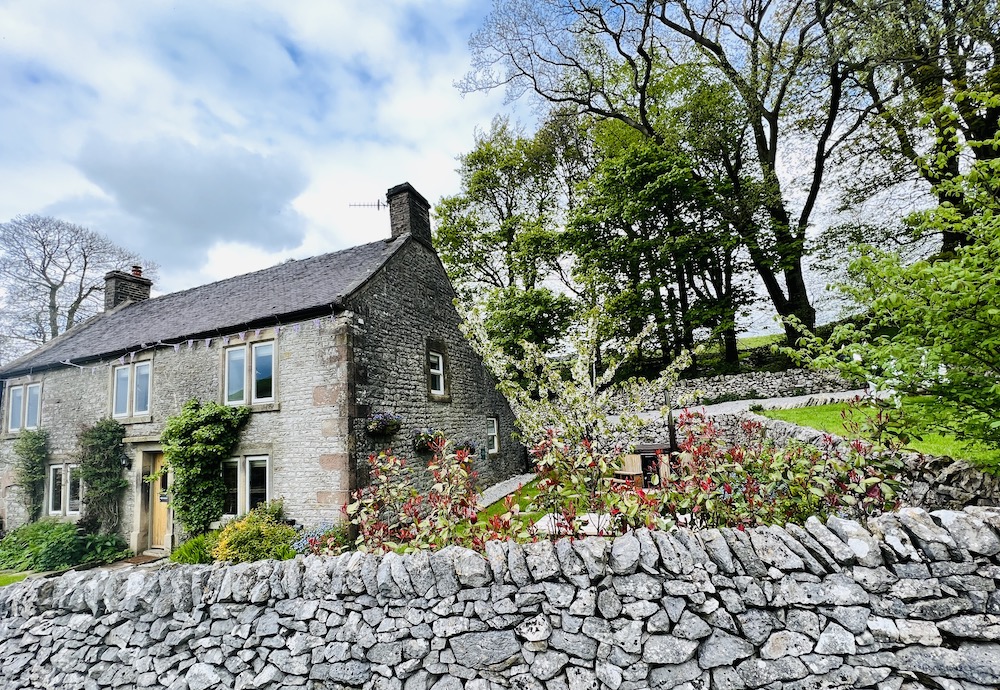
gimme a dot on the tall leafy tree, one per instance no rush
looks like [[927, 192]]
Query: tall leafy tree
[[651, 231], [782, 60], [934, 326], [929, 67], [498, 238], [51, 278]]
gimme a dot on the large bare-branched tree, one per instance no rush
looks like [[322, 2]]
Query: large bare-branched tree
[[932, 71], [51, 277], [781, 58]]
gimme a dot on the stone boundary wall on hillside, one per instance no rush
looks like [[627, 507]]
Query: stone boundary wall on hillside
[[756, 384], [910, 602], [931, 483]]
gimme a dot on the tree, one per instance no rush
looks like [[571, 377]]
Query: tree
[[934, 325], [928, 67], [51, 277], [651, 230], [496, 233], [498, 238], [781, 59]]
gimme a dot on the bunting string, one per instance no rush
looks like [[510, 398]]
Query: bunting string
[[203, 343]]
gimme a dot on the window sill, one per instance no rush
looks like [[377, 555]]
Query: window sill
[[434, 397], [142, 419], [266, 407], [16, 433]]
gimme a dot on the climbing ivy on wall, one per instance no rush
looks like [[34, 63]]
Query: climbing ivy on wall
[[195, 442], [32, 451], [102, 457]]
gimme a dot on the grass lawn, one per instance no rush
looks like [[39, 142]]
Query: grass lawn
[[828, 418], [9, 578], [754, 341], [523, 497]]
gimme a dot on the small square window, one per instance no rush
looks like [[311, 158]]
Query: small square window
[[435, 372], [492, 435]]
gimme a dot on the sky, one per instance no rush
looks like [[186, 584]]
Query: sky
[[217, 138]]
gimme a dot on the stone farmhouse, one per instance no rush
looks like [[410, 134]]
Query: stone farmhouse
[[313, 346]]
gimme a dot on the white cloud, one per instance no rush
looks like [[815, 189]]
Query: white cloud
[[221, 137]]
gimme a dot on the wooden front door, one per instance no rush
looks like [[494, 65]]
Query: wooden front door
[[159, 512]]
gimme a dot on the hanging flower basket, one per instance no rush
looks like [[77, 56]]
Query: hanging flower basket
[[425, 440], [383, 424], [468, 445]]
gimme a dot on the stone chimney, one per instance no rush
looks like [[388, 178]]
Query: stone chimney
[[409, 212], [120, 287]]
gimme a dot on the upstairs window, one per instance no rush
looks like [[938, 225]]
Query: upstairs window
[[436, 370], [25, 407], [257, 368], [492, 435], [131, 390], [435, 373]]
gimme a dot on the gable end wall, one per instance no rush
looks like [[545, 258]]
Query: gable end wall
[[406, 304]]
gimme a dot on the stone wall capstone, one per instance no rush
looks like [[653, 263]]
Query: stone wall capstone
[[906, 602]]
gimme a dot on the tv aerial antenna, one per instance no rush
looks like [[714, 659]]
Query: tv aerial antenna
[[377, 205]]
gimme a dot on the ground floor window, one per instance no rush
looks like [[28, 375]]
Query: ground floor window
[[248, 483], [64, 489]]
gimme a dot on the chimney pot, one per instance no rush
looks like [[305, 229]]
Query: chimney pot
[[137, 271]]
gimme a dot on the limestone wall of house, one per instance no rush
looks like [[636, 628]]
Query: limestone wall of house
[[303, 432], [406, 304], [907, 602]]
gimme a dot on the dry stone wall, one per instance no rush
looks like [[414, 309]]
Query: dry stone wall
[[910, 601], [756, 384]]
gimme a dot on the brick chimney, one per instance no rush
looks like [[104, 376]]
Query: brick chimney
[[120, 287], [409, 212]]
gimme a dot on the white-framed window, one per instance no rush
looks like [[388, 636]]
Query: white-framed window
[[492, 435], [24, 407], [435, 373], [131, 390], [64, 490], [248, 483], [257, 368]]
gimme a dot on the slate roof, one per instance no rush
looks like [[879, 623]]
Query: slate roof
[[296, 288]]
